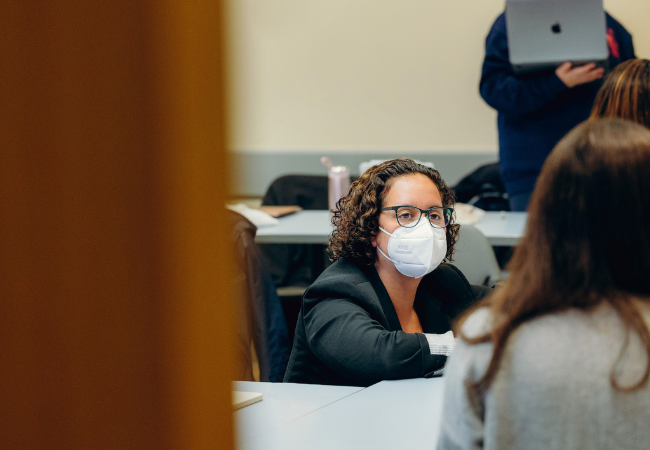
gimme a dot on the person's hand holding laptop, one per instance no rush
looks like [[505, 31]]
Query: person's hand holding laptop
[[574, 75]]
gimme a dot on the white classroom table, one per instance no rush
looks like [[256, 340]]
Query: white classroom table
[[281, 403], [315, 227], [387, 415]]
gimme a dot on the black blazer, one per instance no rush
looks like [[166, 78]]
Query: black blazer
[[348, 332]]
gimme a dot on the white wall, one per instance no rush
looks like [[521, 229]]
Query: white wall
[[369, 75]]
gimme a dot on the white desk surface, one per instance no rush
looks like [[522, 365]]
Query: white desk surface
[[303, 227], [281, 404], [503, 228], [388, 415], [315, 227]]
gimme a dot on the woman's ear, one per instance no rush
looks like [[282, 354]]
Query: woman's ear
[[373, 241]]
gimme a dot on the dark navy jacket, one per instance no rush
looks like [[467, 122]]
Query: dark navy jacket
[[534, 113], [348, 332]]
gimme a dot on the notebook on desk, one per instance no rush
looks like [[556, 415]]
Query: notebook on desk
[[279, 211], [542, 34], [241, 399]]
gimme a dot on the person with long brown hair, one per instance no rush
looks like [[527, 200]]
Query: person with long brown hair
[[559, 358], [625, 93], [383, 309]]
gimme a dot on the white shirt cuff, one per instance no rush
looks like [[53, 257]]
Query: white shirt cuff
[[441, 344]]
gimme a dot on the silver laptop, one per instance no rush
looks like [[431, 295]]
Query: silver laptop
[[542, 34]]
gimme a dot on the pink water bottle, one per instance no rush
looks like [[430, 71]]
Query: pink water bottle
[[338, 182]]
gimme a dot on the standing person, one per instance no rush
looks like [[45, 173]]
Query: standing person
[[625, 93], [534, 112], [383, 309], [559, 358]]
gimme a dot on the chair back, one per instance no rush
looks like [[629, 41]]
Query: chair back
[[260, 318], [475, 257]]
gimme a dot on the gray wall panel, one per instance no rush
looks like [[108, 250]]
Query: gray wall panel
[[254, 171]]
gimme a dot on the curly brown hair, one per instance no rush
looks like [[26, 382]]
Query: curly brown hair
[[356, 218]]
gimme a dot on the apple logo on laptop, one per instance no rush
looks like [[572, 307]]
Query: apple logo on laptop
[[555, 28]]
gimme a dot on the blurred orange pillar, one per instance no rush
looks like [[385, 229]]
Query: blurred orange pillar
[[115, 316]]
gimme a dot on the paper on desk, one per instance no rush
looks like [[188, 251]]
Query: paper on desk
[[259, 218], [467, 214]]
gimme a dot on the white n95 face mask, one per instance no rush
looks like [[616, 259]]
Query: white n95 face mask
[[416, 251]]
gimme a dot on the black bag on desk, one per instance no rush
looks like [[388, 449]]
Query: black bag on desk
[[484, 189]]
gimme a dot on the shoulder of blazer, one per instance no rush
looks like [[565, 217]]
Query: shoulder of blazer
[[343, 279], [449, 285], [341, 270], [448, 276]]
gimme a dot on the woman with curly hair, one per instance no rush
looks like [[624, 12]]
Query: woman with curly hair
[[625, 93], [383, 309], [559, 357]]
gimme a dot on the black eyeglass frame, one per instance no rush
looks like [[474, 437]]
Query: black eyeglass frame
[[422, 211]]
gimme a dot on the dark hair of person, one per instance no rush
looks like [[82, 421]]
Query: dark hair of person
[[587, 239], [356, 218], [625, 93]]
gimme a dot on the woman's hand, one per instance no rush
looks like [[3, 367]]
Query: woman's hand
[[574, 76]]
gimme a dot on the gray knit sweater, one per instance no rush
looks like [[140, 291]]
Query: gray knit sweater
[[553, 388]]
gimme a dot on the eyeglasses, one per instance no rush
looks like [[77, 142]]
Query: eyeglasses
[[409, 216]]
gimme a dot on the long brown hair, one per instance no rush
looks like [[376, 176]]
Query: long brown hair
[[625, 93], [356, 219], [587, 239]]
